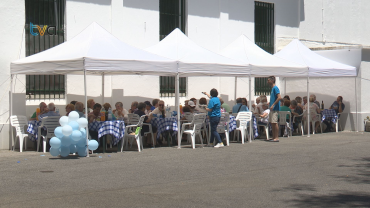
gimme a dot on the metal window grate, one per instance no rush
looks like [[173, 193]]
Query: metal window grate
[[264, 36], [171, 16], [49, 13]]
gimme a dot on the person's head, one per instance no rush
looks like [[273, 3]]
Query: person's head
[[141, 106], [203, 101], [298, 99], [244, 101], [51, 107], [287, 97], [213, 92], [312, 99], [194, 100], [265, 106], [96, 109], [264, 100], [73, 102], [293, 103], [186, 109], [191, 104], [155, 102], [107, 106], [70, 107], [161, 105], [221, 101], [90, 103], [148, 105], [134, 105], [239, 100], [314, 96], [79, 106], [304, 99], [287, 103], [119, 106], [271, 80], [339, 99], [42, 106], [186, 103], [258, 100]]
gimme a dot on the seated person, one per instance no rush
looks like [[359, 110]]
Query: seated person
[[43, 109], [120, 113], [222, 109], [264, 116], [154, 104], [244, 102], [186, 103], [299, 101], [106, 107], [145, 128], [195, 103], [226, 107], [314, 111], [148, 108], [315, 101], [94, 116], [202, 105], [285, 107], [304, 100], [79, 108], [185, 109], [297, 111], [192, 107], [338, 106], [133, 107], [51, 111], [159, 111], [254, 106], [73, 102], [69, 108], [239, 107], [90, 105], [259, 106]]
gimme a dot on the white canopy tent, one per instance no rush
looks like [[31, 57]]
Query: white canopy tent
[[93, 51], [318, 66], [261, 62], [194, 60]]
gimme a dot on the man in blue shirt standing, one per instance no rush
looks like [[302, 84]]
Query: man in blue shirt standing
[[274, 108]]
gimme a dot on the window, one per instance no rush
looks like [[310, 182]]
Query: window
[[171, 16], [44, 29], [264, 35]]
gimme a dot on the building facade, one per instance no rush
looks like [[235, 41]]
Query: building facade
[[334, 28]]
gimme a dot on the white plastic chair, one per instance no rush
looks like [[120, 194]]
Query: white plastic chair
[[223, 126], [197, 124], [137, 137], [265, 126], [284, 121], [19, 122], [313, 121], [300, 125], [243, 118], [134, 119], [50, 123], [337, 124]]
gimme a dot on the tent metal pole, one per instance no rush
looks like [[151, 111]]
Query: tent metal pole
[[250, 109], [11, 110], [102, 87], [86, 114], [308, 106], [178, 108], [356, 128], [235, 91]]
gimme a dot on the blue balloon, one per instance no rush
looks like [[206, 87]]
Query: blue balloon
[[81, 151], [66, 141], [54, 151], [58, 132], [76, 135], [64, 151], [72, 148], [93, 145], [83, 132], [81, 143], [74, 125], [55, 142], [74, 142]]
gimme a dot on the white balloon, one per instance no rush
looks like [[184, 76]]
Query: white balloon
[[82, 122], [73, 116], [67, 130], [63, 120]]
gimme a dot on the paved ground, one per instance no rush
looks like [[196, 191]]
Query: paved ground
[[325, 170]]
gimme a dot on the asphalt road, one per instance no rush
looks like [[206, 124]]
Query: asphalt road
[[325, 170]]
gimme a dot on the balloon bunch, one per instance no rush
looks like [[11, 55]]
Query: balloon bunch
[[70, 137]]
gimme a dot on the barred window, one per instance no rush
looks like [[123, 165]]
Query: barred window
[[171, 15], [264, 36], [44, 29]]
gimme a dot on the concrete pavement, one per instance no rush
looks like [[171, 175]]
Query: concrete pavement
[[325, 170]]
